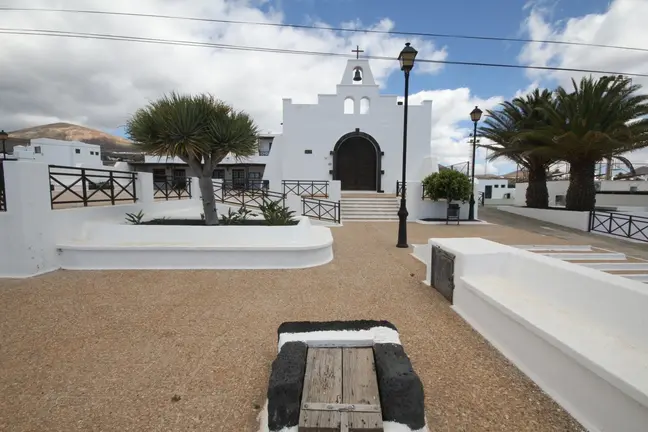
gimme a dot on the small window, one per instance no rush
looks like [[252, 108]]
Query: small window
[[633, 189], [496, 186], [218, 173], [253, 175], [308, 151], [37, 149], [349, 106], [503, 185], [77, 151], [364, 105]]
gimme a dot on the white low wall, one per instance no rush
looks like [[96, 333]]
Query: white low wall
[[427, 209], [577, 332], [106, 246], [572, 219], [31, 229]]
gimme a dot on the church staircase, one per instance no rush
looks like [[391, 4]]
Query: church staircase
[[368, 207]]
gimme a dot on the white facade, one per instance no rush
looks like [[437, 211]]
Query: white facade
[[496, 189], [354, 136], [59, 152], [558, 192]]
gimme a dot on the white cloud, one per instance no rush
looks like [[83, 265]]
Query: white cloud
[[622, 24], [100, 83], [451, 125]]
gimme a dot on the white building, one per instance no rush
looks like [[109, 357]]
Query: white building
[[495, 188], [58, 152], [249, 169], [354, 136]]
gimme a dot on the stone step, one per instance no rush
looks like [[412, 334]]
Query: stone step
[[369, 216], [369, 209]]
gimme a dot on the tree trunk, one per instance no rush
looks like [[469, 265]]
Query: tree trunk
[[581, 194], [208, 200], [537, 195]]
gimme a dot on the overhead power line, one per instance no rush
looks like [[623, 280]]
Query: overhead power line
[[337, 29], [99, 36]]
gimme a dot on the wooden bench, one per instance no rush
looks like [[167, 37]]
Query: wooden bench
[[340, 391]]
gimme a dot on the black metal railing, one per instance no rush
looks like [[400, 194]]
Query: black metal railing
[[306, 187], [72, 186], [3, 196], [240, 196], [171, 188], [619, 224], [321, 209], [480, 199], [246, 184], [264, 152]]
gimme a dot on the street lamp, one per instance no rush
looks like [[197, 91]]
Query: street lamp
[[406, 59], [3, 137], [475, 115]]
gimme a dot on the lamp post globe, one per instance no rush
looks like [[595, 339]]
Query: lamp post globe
[[406, 59], [475, 116]]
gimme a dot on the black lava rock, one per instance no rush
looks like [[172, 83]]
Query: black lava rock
[[285, 386], [401, 390], [312, 326]]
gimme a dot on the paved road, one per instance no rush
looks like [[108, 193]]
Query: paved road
[[493, 215]]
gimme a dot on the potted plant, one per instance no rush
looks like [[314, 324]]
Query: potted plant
[[448, 185]]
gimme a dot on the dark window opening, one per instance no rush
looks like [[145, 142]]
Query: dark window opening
[[308, 151], [77, 151]]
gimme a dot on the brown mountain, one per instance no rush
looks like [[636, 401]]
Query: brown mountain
[[72, 132]]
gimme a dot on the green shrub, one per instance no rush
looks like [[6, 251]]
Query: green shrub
[[236, 217], [135, 218], [275, 213], [448, 185]]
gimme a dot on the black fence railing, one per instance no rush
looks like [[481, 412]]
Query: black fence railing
[[240, 196], [619, 224], [72, 186], [312, 188], [264, 152], [171, 188], [480, 199], [321, 209], [3, 196], [246, 184]]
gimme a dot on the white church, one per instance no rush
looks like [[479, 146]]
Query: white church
[[354, 136]]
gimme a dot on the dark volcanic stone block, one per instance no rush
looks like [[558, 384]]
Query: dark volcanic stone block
[[285, 386], [442, 272], [401, 390], [312, 326]]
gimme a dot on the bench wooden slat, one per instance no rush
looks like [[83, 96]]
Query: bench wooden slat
[[361, 387], [323, 384]]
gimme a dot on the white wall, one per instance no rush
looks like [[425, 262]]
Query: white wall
[[572, 219], [560, 187], [318, 127], [418, 208], [58, 152], [29, 247], [499, 187]]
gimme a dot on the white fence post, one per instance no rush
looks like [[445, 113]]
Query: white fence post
[[26, 237], [335, 190], [144, 188]]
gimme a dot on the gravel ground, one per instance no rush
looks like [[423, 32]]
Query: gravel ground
[[191, 350]]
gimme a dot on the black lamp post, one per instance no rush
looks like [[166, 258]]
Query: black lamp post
[[3, 137], [475, 115], [406, 59]]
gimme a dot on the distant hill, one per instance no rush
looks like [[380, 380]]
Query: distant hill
[[72, 132]]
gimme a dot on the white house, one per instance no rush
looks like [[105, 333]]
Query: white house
[[250, 169], [354, 136], [495, 188], [58, 152]]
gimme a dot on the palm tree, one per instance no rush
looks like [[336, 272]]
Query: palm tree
[[200, 130], [503, 127], [601, 118]]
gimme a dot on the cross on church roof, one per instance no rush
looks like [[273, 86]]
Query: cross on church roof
[[357, 51]]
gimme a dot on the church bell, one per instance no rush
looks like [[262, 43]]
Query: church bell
[[357, 76]]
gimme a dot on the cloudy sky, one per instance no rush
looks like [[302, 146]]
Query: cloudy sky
[[99, 83]]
